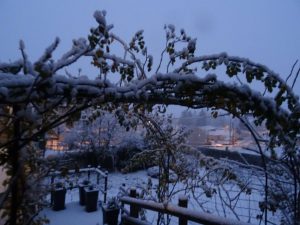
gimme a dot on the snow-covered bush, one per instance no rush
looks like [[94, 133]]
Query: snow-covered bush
[[154, 173], [124, 155]]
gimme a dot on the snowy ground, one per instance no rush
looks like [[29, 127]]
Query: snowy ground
[[76, 215], [73, 214]]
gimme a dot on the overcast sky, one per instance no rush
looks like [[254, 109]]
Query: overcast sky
[[266, 31]]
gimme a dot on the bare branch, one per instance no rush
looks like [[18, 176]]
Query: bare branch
[[296, 77], [291, 73], [25, 57]]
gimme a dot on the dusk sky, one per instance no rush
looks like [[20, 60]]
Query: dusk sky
[[266, 31]]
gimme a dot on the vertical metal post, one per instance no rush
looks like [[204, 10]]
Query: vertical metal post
[[98, 175], [105, 186], [182, 202]]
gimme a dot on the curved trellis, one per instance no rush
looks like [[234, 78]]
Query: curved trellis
[[169, 89]]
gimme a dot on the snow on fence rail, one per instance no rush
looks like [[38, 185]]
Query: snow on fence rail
[[229, 201], [97, 170], [181, 212]]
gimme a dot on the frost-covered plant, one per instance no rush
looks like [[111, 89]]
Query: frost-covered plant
[[164, 144], [113, 203]]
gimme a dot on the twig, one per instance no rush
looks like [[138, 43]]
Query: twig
[[296, 77], [161, 58], [25, 57], [288, 77]]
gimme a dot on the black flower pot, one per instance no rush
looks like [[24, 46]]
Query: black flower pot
[[58, 197], [82, 185], [110, 216], [91, 199]]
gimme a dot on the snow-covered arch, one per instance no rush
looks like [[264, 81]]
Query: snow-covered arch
[[169, 89]]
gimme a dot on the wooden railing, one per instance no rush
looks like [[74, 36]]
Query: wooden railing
[[181, 211]]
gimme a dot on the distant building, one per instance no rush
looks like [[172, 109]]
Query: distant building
[[55, 140]]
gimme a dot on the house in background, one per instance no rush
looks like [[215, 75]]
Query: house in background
[[54, 140]]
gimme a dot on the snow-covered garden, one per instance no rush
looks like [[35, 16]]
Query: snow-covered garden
[[35, 99], [227, 201]]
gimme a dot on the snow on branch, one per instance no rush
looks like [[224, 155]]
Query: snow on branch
[[252, 71], [188, 90], [48, 53], [182, 87], [13, 68]]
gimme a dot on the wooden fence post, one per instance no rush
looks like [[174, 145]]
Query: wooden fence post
[[105, 186], [182, 202], [134, 210]]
